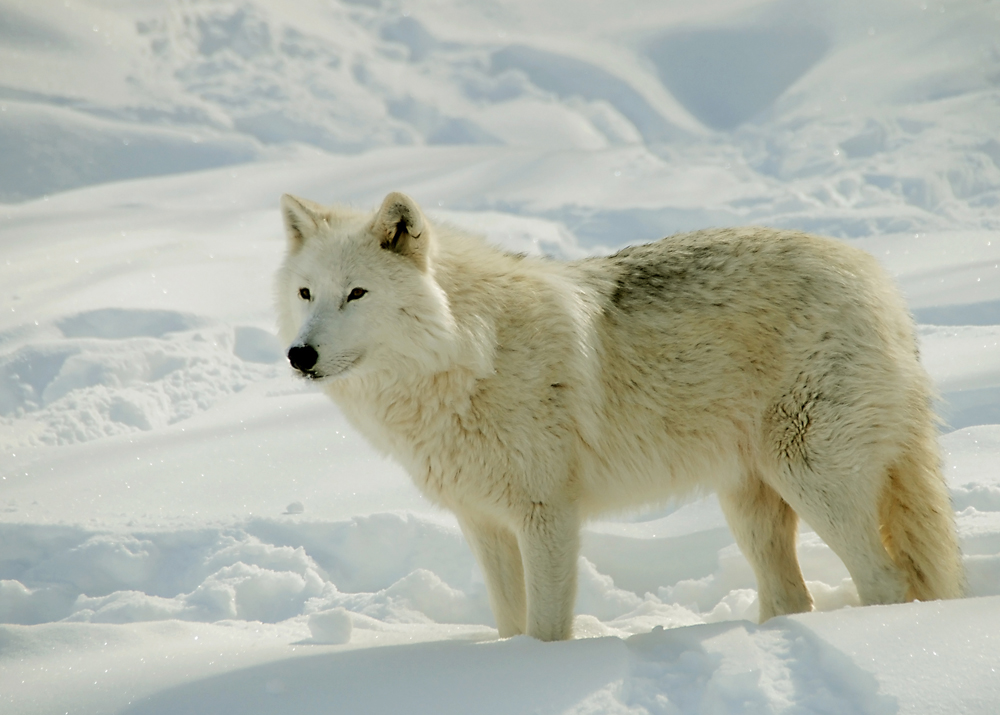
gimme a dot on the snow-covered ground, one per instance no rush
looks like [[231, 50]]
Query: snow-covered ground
[[184, 528]]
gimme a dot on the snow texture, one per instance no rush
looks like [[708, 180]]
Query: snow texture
[[184, 528]]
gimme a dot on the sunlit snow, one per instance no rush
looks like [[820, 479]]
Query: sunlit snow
[[185, 528]]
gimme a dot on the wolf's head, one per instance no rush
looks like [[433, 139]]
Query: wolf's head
[[356, 293]]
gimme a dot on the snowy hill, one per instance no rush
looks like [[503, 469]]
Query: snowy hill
[[184, 528]]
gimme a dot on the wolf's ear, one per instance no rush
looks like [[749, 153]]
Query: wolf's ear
[[400, 227], [302, 218]]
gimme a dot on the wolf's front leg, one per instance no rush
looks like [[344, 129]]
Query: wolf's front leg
[[550, 542], [499, 557]]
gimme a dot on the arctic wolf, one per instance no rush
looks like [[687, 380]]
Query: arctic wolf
[[776, 368]]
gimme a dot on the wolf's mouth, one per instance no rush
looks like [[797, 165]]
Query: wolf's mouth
[[334, 368]]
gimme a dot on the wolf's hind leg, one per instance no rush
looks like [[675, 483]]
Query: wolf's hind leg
[[495, 548], [840, 504], [764, 526]]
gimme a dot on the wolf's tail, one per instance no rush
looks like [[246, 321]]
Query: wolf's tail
[[918, 524]]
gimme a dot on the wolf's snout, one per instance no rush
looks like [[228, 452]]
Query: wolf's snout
[[303, 357]]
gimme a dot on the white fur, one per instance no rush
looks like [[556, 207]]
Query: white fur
[[776, 368]]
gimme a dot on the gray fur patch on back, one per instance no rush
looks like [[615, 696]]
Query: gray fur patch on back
[[679, 276]]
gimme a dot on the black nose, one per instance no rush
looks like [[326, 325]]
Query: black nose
[[302, 357]]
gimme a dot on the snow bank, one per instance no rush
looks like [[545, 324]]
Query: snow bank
[[117, 371], [274, 569]]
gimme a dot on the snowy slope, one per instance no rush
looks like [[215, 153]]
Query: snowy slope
[[184, 528]]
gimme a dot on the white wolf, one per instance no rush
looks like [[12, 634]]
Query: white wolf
[[776, 368]]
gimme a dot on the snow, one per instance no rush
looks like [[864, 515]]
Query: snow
[[184, 528]]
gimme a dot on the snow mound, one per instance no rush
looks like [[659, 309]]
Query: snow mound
[[118, 371], [47, 149], [727, 76]]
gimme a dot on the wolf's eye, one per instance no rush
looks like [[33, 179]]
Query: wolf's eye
[[304, 294], [356, 293]]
